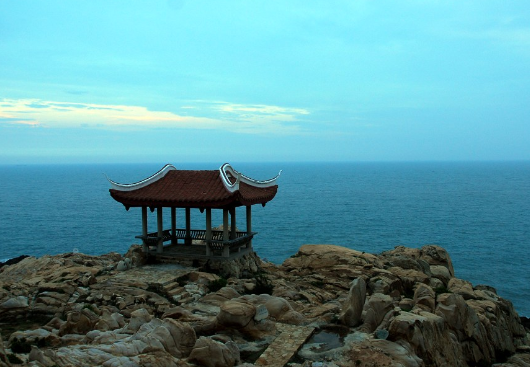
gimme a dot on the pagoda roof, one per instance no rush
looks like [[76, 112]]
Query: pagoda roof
[[170, 187]]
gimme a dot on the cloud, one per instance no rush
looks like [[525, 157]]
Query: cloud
[[260, 111], [259, 118], [251, 119], [14, 120]]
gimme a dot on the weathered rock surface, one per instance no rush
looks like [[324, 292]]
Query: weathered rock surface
[[236, 314], [403, 307], [353, 307], [211, 353]]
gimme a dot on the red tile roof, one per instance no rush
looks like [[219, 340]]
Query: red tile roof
[[194, 189]]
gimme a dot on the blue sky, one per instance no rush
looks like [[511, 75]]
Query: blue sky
[[178, 81]]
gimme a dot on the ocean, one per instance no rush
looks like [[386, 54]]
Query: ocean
[[478, 211]]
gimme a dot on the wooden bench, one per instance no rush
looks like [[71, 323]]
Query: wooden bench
[[216, 244]]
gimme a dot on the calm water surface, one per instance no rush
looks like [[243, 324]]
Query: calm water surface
[[480, 212]]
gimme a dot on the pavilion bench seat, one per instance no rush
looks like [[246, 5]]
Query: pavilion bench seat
[[152, 238], [216, 244]]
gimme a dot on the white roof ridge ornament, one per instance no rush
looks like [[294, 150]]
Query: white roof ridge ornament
[[226, 169], [147, 181]]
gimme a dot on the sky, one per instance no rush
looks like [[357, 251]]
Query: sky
[[263, 80]]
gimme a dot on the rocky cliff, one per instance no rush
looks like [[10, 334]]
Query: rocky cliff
[[325, 306]]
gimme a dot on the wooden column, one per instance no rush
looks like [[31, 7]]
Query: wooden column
[[208, 230], [225, 224], [144, 229], [160, 226], [232, 223], [188, 227], [173, 226], [226, 248], [249, 224]]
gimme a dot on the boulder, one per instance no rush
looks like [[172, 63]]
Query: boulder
[[181, 314], [237, 268], [374, 352], [277, 307], [54, 323], [168, 340], [353, 306], [200, 277], [402, 252], [249, 286], [325, 313], [211, 353], [122, 266], [461, 287], [222, 295], [465, 324], [442, 273], [436, 283], [84, 356], [385, 282], [78, 322], [406, 304], [317, 258], [15, 302], [37, 355], [110, 321], [377, 307], [236, 314], [409, 278], [406, 258], [63, 268], [426, 335], [104, 337], [169, 335], [138, 318], [502, 327], [436, 255], [425, 297], [183, 336], [137, 256]]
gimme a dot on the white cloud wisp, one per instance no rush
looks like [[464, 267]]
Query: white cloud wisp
[[250, 119]]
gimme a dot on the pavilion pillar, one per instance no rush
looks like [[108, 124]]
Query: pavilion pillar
[[249, 224], [187, 241], [145, 248], [173, 226], [232, 223], [160, 228], [226, 248], [208, 230]]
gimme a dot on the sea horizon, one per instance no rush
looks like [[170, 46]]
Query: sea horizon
[[201, 162]]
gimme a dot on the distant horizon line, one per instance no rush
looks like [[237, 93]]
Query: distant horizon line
[[60, 163]]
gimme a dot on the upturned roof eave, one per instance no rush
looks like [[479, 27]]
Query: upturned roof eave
[[221, 189], [234, 200]]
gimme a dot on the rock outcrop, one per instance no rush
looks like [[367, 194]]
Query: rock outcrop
[[403, 307], [353, 307]]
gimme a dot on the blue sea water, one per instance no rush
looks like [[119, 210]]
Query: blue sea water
[[479, 212]]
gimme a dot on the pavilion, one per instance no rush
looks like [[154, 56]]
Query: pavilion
[[223, 189]]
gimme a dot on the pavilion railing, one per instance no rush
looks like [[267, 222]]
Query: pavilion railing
[[216, 244]]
